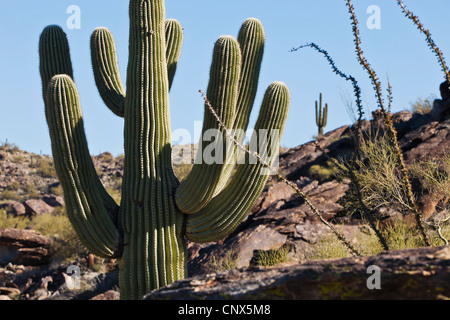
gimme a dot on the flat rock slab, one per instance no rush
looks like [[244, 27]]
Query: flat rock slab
[[403, 275], [24, 247]]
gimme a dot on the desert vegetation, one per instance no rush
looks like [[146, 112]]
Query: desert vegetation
[[397, 204]]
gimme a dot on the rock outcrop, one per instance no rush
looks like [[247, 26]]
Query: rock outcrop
[[24, 247], [415, 274]]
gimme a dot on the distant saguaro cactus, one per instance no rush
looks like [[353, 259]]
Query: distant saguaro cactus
[[148, 232], [321, 116]]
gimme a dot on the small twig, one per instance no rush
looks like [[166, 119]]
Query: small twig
[[438, 227], [352, 250], [390, 95], [429, 39]]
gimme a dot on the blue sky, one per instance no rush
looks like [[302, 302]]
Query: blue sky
[[397, 51]]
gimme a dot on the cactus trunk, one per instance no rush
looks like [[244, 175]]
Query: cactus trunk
[[154, 247], [157, 213]]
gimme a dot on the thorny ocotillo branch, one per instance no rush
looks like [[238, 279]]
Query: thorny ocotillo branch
[[429, 39], [352, 250], [388, 122], [351, 167]]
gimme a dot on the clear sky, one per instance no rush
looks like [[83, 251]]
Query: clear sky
[[397, 51]]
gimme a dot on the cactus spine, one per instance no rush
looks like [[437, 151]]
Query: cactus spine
[[148, 231], [321, 116]]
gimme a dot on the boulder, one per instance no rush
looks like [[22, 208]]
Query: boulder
[[445, 91], [37, 206], [24, 247], [53, 201], [108, 295], [14, 208], [10, 292], [414, 274], [429, 141]]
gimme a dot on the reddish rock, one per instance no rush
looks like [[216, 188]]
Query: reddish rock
[[429, 141], [53, 201], [13, 207], [260, 238], [36, 206], [25, 247], [108, 295], [275, 193]]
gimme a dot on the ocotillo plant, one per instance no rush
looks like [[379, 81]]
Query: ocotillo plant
[[387, 120], [157, 213], [321, 116]]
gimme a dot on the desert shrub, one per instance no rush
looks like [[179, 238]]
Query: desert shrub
[[423, 106], [55, 226], [18, 158], [380, 183], [106, 157], [45, 168], [13, 186], [271, 257], [10, 147], [10, 221], [398, 235], [182, 170], [323, 172], [435, 175], [328, 248], [9, 195], [31, 192], [402, 235], [228, 261], [58, 227], [56, 189]]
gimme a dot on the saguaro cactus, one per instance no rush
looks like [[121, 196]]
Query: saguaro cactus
[[157, 213], [321, 116]]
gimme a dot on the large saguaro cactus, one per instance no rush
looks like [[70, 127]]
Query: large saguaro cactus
[[157, 213]]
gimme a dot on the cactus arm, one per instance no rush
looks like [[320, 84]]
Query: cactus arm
[[88, 202], [54, 55], [174, 41], [224, 213], [199, 186], [89, 208], [251, 39], [106, 67], [317, 114], [106, 70]]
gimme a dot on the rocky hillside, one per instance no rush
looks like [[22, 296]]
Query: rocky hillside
[[281, 228]]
